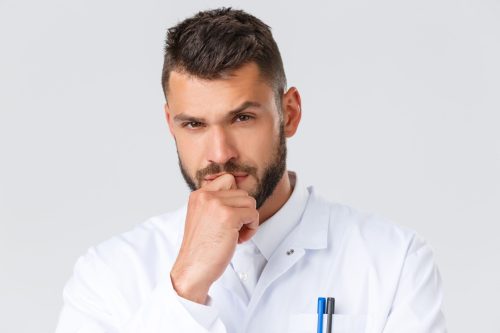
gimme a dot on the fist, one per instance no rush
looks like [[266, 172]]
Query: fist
[[219, 216]]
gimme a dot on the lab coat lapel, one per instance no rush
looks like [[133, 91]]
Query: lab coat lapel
[[310, 234]]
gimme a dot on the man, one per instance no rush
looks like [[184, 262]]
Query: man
[[253, 248]]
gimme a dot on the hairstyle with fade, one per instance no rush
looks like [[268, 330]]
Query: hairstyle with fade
[[213, 43]]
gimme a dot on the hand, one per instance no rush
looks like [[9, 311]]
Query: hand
[[219, 216]]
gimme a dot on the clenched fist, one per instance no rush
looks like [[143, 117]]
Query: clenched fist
[[219, 216]]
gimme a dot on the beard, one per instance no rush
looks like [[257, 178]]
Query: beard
[[265, 186]]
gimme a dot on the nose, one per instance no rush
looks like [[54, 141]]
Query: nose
[[220, 146]]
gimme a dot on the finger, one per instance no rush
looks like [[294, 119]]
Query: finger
[[230, 193], [248, 230], [225, 181], [248, 216], [241, 216], [239, 201], [246, 234]]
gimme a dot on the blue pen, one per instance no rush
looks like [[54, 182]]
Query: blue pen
[[321, 312]]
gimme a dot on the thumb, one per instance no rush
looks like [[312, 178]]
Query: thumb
[[223, 182]]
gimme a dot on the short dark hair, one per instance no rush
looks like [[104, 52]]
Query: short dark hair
[[213, 43]]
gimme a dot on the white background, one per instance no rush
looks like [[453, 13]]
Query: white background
[[401, 103]]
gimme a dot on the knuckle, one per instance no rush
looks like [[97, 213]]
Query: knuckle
[[226, 213], [203, 196], [215, 202], [252, 201], [242, 192]]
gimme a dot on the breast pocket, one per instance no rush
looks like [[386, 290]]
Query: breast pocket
[[307, 322]]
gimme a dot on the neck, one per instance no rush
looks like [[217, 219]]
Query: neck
[[278, 198]]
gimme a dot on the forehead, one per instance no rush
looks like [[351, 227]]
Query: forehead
[[196, 96]]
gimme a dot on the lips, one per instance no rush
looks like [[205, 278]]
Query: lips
[[235, 174]]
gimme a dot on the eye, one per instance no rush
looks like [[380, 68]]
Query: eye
[[192, 124], [242, 117]]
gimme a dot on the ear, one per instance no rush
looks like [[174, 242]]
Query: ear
[[292, 111], [170, 123]]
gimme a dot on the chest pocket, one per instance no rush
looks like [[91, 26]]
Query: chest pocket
[[307, 322]]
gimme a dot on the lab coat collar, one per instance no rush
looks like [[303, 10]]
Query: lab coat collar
[[276, 228], [312, 231]]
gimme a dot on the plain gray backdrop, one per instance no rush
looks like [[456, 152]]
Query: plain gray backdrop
[[401, 103]]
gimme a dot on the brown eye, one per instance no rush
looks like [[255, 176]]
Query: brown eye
[[243, 117], [192, 124]]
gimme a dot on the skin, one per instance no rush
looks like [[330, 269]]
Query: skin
[[222, 211]]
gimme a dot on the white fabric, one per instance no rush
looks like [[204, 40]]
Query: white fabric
[[382, 276], [275, 229], [251, 257], [248, 263]]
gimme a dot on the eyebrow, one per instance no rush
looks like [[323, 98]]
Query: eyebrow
[[184, 117]]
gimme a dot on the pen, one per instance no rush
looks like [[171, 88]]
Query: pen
[[330, 309], [321, 312]]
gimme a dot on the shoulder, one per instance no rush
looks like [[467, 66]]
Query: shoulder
[[157, 232], [125, 268], [143, 252], [371, 233], [376, 248]]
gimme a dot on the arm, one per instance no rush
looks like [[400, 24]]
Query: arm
[[101, 299], [417, 305], [93, 303]]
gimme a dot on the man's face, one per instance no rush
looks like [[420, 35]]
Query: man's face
[[229, 125]]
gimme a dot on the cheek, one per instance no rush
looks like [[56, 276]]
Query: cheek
[[257, 148], [189, 154]]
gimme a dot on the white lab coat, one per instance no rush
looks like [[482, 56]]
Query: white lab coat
[[383, 278]]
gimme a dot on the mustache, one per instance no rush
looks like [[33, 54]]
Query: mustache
[[229, 167]]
